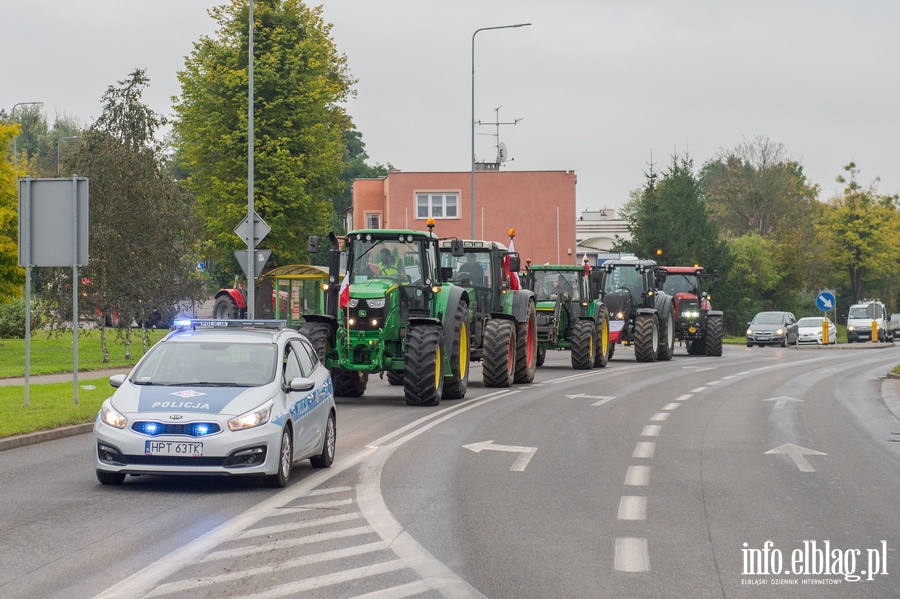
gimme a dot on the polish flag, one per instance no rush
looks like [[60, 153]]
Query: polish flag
[[344, 294], [514, 282], [587, 265]]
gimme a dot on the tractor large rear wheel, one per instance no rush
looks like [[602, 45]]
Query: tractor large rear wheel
[[457, 380], [541, 356], [602, 346], [395, 377], [583, 345], [318, 334], [526, 347], [226, 308], [423, 378], [666, 334], [646, 337], [715, 330], [499, 358]]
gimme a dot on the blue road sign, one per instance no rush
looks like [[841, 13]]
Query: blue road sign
[[825, 301]]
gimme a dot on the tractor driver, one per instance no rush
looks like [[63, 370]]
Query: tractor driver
[[388, 268], [562, 286], [472, 270]]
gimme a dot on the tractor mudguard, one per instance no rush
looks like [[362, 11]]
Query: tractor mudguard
[[716, 313], [328, 319], [518, 312], [455, 295], [239, 300]]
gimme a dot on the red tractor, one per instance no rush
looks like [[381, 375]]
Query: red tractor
[[696, 324]]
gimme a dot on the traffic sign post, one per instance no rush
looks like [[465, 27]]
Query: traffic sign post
[[252, 230]]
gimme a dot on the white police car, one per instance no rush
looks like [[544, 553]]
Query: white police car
[[219, 397]]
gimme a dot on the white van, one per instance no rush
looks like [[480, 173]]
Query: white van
[[859, 322]]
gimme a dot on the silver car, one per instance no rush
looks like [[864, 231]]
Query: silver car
[[772, 328], [219, 397]]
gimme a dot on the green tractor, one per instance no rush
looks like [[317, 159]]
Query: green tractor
[[502, 316], [570, 313], [393, 314]]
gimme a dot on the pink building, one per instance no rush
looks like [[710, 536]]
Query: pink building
[[539, 205]]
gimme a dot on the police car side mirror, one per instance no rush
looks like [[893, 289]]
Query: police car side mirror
[[116, 380], [301, 384]]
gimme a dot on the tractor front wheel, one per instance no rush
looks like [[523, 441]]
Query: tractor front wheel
[[602, 346], [646, 337], [526, 347], [499, 359], [583, 345], [423, 377], [457, 380], [715, 330], [666, 334]]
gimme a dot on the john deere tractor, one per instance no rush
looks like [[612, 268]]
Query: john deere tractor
[[570, 313], [696, 324], [502, 317], [392, 313], [640, 313]]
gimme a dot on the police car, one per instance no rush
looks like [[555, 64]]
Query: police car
[[219, 397]]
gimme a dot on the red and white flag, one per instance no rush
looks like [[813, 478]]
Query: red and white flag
[[514, 282], [587, 265], [344, 294]]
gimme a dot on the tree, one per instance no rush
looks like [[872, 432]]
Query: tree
[[12, 277], [859, 230], [668, 220], [142, 223], [300, 126]]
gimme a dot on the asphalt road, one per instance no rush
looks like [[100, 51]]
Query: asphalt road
[[767, 472]]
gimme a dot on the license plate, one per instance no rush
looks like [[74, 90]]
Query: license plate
[[763, 338], [174, 448]]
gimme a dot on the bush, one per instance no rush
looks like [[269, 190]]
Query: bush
[[12, 320]]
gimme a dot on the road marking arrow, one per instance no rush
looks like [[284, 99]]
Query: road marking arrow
[[521, 461], [602, 399], [796, 453], [781, 400]]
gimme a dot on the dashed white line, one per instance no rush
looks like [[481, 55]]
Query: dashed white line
[[632, 555], [698, 389], [633, 507], [684, 397], [660, 416], [637, 476], [651, 430], [644, 449], [671, 406]]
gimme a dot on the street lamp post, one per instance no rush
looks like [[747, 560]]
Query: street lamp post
[[472, 124], [11, 117], [58, 142]]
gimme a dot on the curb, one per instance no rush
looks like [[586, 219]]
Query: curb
[[889, 394], [41, 436]]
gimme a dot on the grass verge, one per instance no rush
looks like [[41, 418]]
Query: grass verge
[[50, 405]]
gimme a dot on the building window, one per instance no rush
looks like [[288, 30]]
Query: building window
[[437, 205], [373, 220]]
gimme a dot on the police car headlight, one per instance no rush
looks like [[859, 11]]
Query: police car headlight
[[251, 419], [352, 302], [110, 416], [376, 303]]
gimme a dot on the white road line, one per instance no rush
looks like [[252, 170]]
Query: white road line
[[298, 562], [322, 505], [698, 389], [329, 491], [294, 588], [651, 430], [633, 507], [404, 590], [632, 555], [644, 449], [637, 476], [730, 376], [268, 530], [660, 416], [671, 406], [684, 397], [288, 543], [713, 382]]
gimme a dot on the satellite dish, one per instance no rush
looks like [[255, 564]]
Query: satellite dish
[[502, 153]]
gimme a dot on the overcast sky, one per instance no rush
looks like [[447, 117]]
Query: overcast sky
[[600, 87]]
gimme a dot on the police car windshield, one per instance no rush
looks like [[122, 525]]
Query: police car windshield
[[207, 364]]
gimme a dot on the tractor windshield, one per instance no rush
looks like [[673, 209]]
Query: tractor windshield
[[548, 284], [677, 283], [624, 278], [386, 259], [474, 268]]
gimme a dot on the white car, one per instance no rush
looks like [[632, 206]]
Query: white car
[[811, 329], [219, 397]]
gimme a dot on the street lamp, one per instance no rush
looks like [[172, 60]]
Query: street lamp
[[11, 117], [58, 142], [473, 112]]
